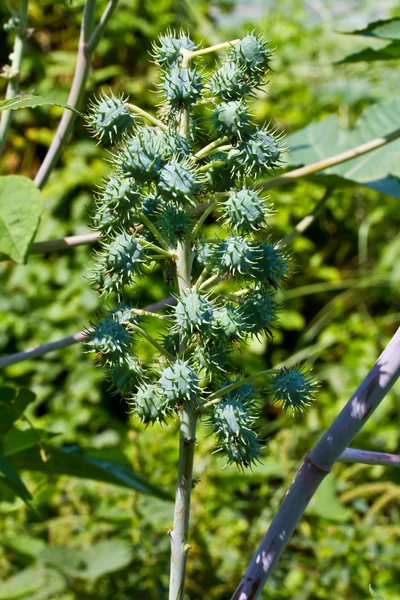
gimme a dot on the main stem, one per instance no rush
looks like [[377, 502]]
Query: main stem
[[187, 438], [187, 432]]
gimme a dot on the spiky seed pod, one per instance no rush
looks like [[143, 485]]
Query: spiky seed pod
[[232, 119], [110, 340], [294, 388], [174, 223], [149, 405], [255, 154], [174, 145], [108, 118], [244, 211], [213, 355], [118, 262], [170, 341], [141, 155], [126, 377], [235, 255], [181, 87], [220, 177], [179, 180], [252, 54], [179, 383], [205, 252], [230, 82], [193, 313], [232, 424], [271, 265], [167, 53], [258, 313], [227, 321], [115, 203]]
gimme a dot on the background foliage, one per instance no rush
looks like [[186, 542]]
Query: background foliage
[[96, 540]]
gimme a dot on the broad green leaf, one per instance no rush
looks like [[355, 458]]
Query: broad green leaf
[[35, 583], [71, 461], [378, 170], [17, 440], [385, 29], [31, 101], [389, 52], [20, 209], [325, 503], [25, 545], [374, 594], [90, 564], [7, 417], [12, 480], [11, 407]]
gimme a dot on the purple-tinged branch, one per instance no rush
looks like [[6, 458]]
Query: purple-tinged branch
[[316, 467], [88, 41], [367, 457], [70, 340]]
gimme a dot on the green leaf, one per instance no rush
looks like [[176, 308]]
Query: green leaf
[[326, 504], [389, 52], [385, 29], [20, 209], [31, 101], [378, 170], [71, 461], [35, 583], [90, 564], [11, 408], [12, 480], [374, 594], [17, 440]]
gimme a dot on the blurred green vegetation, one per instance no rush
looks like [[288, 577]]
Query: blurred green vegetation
[[91, 540]]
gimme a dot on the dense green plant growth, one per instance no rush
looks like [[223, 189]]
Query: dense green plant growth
[[341, 315]]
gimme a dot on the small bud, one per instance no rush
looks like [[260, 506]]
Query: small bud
[[294, 388], [109, 118]]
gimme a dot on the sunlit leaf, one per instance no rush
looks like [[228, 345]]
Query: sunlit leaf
[[378, 170], [20, 209]]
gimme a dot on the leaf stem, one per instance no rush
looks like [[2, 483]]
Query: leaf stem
[[147, 116], [147, 313], [13, 84], [203, 217], [190, 54], [217, 396], [152, 341], [154, 231], [328, 162], [207, 149]]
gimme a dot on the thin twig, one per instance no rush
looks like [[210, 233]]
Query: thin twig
[[13, 84], [317, 465], [70, 340], [367, 457], [64, 243], [147, 116], [88, 41], [326, 163]]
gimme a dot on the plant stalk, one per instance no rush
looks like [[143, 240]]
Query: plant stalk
[[88, 41], [13, 84], [317, 465], [187, 429]]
